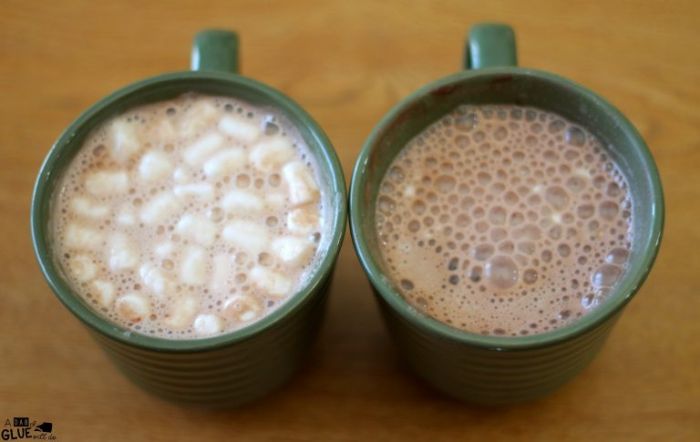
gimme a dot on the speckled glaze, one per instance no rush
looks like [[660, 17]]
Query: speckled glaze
[[493, 369], [237, 367]]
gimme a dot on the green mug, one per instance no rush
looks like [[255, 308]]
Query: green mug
[[494, 369], [233, 368]]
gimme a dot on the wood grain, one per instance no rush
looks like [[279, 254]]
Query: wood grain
[[347, 63]]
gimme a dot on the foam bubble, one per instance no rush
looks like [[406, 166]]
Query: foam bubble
[[509, 207]]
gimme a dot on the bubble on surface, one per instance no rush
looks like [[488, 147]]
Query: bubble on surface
[[508, 220], [501, 272]]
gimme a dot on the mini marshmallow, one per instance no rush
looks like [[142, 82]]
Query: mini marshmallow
[[165, 132], [241, 201], [103, 292], [302, 186], [123, 253], [82, 238], [225, 163], [221, 269], [208, 324], [125, 143], [182, 312], [126, 216], [242, 308], [82, 268], [270, 154], [292, 249], [198, 228], [88, 209], [105, 183], [159, 208], [275, 199], [202, 149], [199, 117], [132, 307], [275, 284], [154, 166], [201, 191], [164, 249], [238, 128], [246, 235], [303, 220], [193, 269], [181, 175], [154, 280]]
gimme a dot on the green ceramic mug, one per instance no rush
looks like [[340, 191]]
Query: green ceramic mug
[[494, 369], [236, 367]]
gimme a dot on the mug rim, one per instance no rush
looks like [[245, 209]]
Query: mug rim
[[39, 224], [626, 289]]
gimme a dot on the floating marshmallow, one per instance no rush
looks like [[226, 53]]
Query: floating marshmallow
[[106, 183], [181, 175], [201, 191], [132, 307], [125, 143], [193, 269], [159, 208], [123, 253], [246, 235], [208, 324], [270, 154], [302, 187], [199, 229], [225, 163], [221, 269], [82, 238], [88, 209], [154, 166], [126, 216], [103, 292], [243, 308], [164, 249], [275, 199], [201, 116], [275, 284], [82, 267], [154, 279], [303, 220], [241, 201], [182, 312], [292, 249], [165, 132], [202, 149], [238, 128]]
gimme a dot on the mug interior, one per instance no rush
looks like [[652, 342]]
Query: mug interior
[[166, 87], [518, 87]]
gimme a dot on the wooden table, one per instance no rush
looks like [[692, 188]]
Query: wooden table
[[347, 63]]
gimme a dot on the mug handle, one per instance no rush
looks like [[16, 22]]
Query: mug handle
[[490, 45], [215, 50]]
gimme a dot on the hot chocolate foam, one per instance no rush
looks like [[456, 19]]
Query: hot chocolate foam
[[189, 217], [504, 220]]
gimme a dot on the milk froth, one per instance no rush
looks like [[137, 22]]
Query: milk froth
[[504, 220]]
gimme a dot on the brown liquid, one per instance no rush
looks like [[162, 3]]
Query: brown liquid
[[190, 217], [504, 220]]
